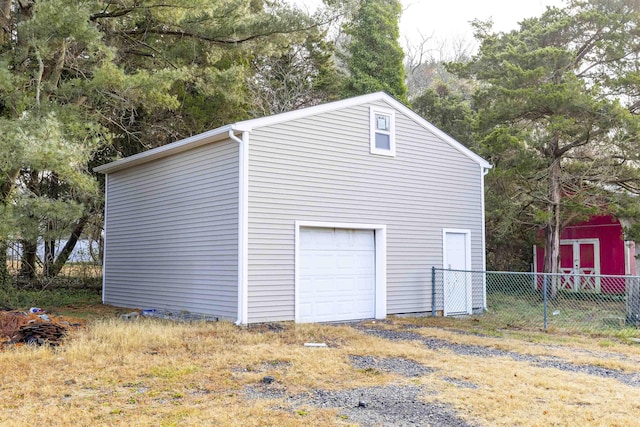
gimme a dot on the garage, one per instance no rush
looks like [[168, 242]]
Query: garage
[[337, 274]]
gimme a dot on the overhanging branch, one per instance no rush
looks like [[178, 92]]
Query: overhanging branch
[[203, 37], [122, 12]]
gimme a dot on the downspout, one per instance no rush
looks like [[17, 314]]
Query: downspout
[[485, 171], [243, 225]]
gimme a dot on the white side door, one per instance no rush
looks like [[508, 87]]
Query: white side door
[[457, 279]]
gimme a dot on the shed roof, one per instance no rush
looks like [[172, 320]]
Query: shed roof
[[249, 125]]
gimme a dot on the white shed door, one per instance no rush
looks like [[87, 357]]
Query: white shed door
[[457, 284], [336, 275]]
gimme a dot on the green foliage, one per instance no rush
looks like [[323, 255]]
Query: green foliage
[[82, 83], [449, 111], [50, 300], [302, 75], [374, 57], [556, 115]]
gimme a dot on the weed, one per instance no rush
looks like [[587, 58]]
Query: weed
[[370, 371], [140, 373], [171, 372]]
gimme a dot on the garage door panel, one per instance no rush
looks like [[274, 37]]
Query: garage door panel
[[364, 284], [345, 309], [363, 238], [337, 274], [325, 309], [321, 286], [306, 310], [345, 261], [317, 263], [365, 263]]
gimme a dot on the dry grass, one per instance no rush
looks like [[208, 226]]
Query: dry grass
[[578, 350], [160, 373]]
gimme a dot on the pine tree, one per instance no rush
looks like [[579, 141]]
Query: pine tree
[[558, 104], [374, 58], [83, 82]]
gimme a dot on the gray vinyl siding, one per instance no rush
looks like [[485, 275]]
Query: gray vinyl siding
[[319, 169], [172, 233]]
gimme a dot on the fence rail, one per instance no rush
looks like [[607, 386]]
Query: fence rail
[[83, 266], [568, 302]]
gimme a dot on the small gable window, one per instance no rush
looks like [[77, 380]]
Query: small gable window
[[382, 135]]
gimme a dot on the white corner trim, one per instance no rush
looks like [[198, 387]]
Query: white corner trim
[[243, 226], [391, 152], [483, 173], [380, 236], [104, 237], [627, 256]]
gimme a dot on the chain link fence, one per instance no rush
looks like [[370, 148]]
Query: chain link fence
[[83, 267], [564, 302]]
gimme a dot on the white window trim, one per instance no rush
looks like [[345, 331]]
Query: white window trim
[[391, 152], [381, 261]]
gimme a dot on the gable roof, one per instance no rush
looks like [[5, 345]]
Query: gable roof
[[251, 124]]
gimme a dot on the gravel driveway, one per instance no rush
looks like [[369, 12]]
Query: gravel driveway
[[401, 405], [388, 406], [484, 352]]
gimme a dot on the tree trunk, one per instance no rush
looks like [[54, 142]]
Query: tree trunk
[[5, 281], [5, 191], [64, 254], [552, 230], [5, 21], [49, 255], [28, 259], [50, 244]]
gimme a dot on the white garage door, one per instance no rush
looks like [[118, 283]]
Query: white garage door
[[336, 274]]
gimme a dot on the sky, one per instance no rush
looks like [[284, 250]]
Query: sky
[[449, 19]]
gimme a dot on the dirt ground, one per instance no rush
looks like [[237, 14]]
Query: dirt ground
[[387, 373]]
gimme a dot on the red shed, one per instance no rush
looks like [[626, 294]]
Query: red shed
[[592, 248]]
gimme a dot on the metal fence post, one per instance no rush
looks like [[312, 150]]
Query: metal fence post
[[433, 291], [544, 300], [632, 296]]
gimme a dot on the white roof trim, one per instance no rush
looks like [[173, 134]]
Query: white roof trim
[[166, 150], [448, 139], [311, 111], [249, 125]]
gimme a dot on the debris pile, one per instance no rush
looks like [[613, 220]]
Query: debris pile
[[42, 333], [32, 327]]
